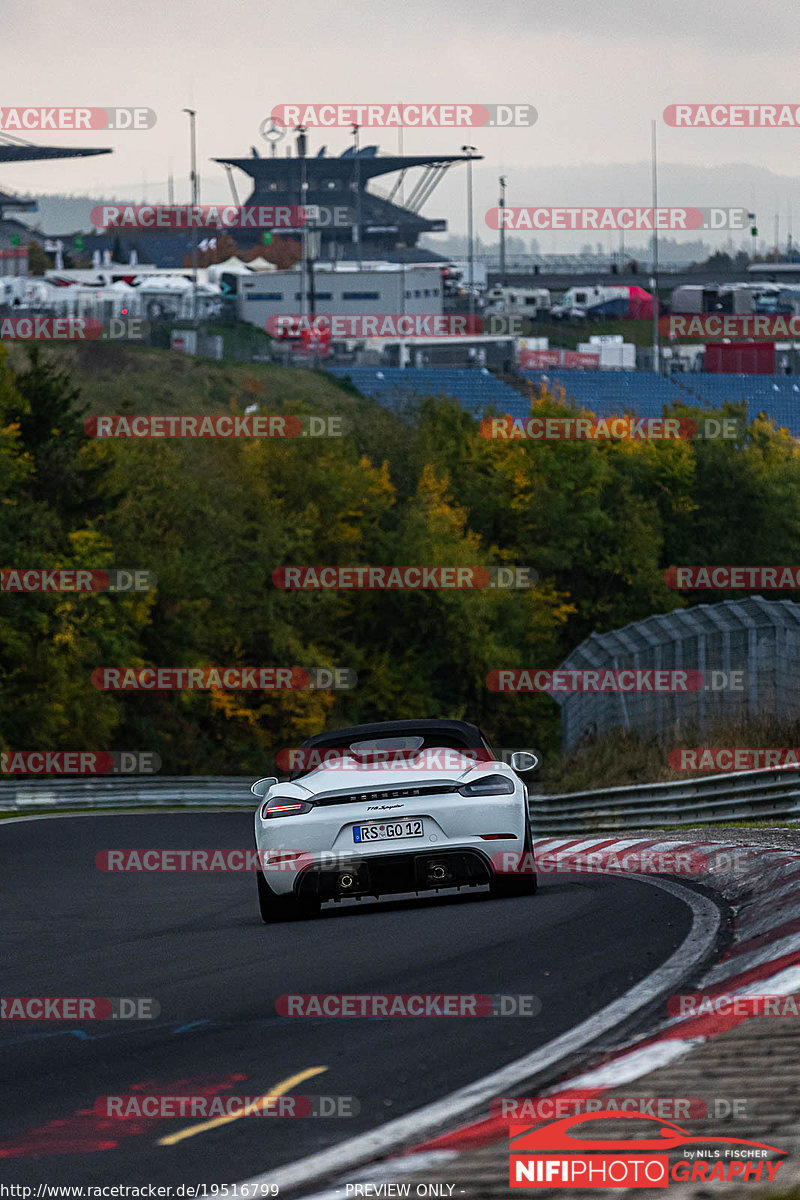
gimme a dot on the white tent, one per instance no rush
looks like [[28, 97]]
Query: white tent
[[261, 264], [232, 265], [163, 283]]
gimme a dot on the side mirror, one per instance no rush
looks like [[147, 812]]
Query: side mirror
[[262, 786], [524, 761]]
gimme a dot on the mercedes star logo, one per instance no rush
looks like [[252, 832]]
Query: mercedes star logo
[[270, 131]]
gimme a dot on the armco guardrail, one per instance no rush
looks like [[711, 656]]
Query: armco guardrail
[[132, 791], [744, 795]]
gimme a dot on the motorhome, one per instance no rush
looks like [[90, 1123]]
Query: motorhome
[[516, 301], [579, 302], [713, 298]]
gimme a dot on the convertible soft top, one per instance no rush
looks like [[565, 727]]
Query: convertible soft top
[[449, 735], [457, 733]]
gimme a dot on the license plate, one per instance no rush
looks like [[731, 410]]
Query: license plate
[[383, 831]]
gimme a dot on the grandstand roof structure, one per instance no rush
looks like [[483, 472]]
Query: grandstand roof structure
[[342, 180], [14, 149]]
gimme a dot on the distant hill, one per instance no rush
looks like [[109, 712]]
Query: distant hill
[[58, 215]]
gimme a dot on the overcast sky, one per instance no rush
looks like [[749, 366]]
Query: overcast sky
[[597, 73]]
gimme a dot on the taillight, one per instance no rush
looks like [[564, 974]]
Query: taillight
[[282, 807], [489, 785]]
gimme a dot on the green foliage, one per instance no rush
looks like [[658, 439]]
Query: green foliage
[[598, 522], [50, 643]]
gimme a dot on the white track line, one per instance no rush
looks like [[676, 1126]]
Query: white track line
[[365, 1147]]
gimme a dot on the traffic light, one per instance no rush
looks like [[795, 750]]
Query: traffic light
[[266, 237], [15, 239], [77, 243]]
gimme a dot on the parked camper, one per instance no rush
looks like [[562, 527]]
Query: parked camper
[[517, 301], [24, 292], [783, 300], [736, 298], [727, 298], [692, 298], [580, 302]]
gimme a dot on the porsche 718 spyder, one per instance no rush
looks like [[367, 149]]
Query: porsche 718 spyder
[[390, 808]]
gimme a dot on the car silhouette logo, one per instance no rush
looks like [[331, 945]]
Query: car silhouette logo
[[556, 1136]]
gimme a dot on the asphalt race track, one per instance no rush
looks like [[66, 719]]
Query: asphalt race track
[[196, 944]]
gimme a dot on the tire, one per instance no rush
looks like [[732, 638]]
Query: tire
[[503, 886], [283, 908]]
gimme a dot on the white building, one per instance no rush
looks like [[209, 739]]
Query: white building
[[376, 290]]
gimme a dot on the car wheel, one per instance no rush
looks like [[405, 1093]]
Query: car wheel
[[517, 885], [283, 908]]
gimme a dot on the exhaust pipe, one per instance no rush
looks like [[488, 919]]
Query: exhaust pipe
[[346, 881], [438, 872]]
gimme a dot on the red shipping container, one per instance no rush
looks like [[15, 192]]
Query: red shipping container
[[740, 358]]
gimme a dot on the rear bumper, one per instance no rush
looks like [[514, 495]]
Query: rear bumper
[[387, 874]]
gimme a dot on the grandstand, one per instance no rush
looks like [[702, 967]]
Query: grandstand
[[475, 389], [604, 392], [645, 392]]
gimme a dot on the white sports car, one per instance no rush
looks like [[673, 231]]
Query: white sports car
[[394, 807]]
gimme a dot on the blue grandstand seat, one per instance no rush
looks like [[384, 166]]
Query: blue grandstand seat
[[603, 392]]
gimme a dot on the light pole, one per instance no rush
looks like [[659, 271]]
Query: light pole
[[357, 178], [300, 130], [469, 151], [654, 280], [502, 230], [403, 277], [192, 113]]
